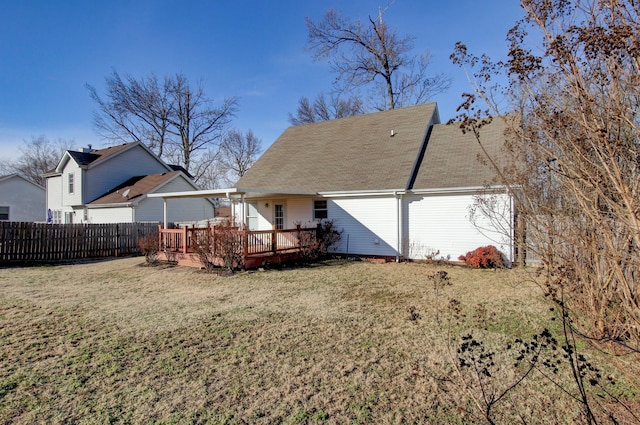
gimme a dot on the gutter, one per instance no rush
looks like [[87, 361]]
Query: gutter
[[357, 193]]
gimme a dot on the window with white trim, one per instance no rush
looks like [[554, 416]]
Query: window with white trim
[[4, 213], [71, 183], [320, 210]]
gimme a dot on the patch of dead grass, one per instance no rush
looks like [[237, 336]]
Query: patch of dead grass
[[115, 342]]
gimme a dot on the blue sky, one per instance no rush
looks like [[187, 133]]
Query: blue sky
[[255, 50]]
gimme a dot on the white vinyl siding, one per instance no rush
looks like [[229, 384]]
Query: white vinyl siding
[[110, 215], [54, 193], [70, 183], [72, 198], [296, 211], [299, 211], [369, 224], [119, 168], [178, 210], [441, 224], [25, 200]]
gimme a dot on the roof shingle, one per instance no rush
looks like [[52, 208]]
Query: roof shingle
[[354, 153], [454, 160], [132, 189]]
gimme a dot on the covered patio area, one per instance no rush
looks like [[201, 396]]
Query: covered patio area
[[191, 246], [250, 248]]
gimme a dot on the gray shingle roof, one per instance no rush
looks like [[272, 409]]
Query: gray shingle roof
[[454, 160], [359, 154], [347, 154]]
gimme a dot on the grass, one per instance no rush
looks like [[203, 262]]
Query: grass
[[113, 342]]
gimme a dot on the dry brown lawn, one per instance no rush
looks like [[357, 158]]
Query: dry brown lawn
[[114, 342]]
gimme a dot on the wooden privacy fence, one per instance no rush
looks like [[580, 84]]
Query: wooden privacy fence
[[26, 242]]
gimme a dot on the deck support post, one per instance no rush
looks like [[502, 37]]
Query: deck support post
[[184, 239], [274, 240]]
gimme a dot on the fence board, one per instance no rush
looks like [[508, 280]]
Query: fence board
[[36, 242]]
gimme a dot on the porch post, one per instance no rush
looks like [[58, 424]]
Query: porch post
[[244, 210], [164, 211]]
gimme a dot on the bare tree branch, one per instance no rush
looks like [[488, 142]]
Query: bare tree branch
[[362, 54], [175, 119]]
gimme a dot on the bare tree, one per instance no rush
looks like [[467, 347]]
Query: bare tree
[[323, 110], [239, 151], [172, 117], [576, 151], [209, 170], [134, 110], [37, 156], [374, 55]]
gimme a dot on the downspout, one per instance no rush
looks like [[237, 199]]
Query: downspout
[[398, 224]]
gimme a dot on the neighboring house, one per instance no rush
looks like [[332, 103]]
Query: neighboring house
[[21, 199], [111, 186], [399, 183]]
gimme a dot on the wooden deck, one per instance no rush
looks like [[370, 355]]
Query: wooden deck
[[253, 248]]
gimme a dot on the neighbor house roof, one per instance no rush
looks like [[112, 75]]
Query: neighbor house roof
[[19, 176], [454, 159], [91, 158], [134, 189], [375, 151]]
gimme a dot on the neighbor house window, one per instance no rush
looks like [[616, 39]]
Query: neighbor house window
[[57, 216], [320, 210], [71, 183], [4, 213]]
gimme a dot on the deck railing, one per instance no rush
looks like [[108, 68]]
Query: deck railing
[[185, 240]]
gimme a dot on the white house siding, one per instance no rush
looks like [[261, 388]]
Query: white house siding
[[178, 210], [26, 201], [119, 168], [109, 215], [54, 193], [58, 198], [298, 211], [441, 226], [74, 198], [369, 225]]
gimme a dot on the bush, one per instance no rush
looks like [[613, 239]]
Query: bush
[[328, 236], [220, 244], [484, 257], [150, 247]]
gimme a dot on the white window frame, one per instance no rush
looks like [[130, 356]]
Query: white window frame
[[279, 219], [320, 212], [71, 183]]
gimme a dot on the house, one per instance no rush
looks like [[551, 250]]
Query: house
[[398, 183], [112, 185], [21, 199]]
